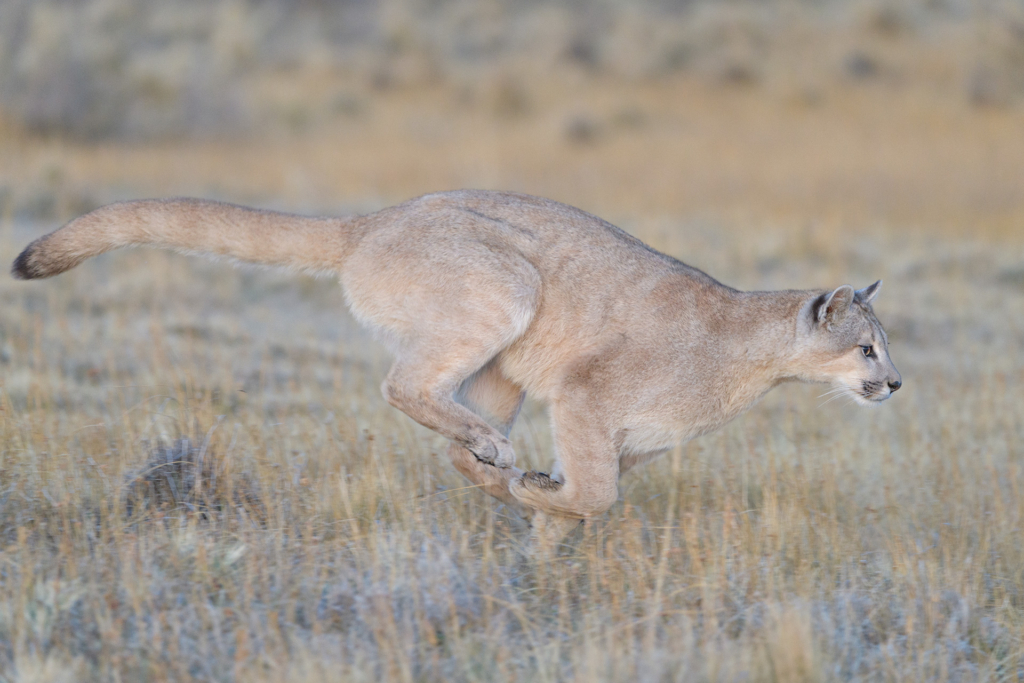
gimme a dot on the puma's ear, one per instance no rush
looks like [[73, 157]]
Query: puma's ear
[[831, 307], [868, 294]]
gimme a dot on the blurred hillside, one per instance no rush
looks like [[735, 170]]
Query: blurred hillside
[[904, 111], [144, 69]]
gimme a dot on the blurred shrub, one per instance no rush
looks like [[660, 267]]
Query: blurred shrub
[[99, 68], [150, 69]]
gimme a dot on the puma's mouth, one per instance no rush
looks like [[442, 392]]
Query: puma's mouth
[[874, 392], [865, 394]]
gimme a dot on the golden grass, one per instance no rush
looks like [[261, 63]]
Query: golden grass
[[309, 532], [327, 538]]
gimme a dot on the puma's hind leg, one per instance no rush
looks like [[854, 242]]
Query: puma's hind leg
[[445, 317], [496, 398], [423, 384]]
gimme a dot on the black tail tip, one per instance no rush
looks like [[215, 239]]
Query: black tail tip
[[23, 268]]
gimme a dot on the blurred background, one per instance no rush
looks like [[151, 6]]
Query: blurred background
[[872, 114], [198, 474]]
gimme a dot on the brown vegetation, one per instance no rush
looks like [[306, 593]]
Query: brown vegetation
[[307, 531]]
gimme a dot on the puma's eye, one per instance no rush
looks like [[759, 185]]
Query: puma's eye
[[868, 351]]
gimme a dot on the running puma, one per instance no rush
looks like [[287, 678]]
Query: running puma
[[484, 296]]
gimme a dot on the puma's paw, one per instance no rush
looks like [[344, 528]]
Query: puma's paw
[[506, 457], [537, 481], [498, 454], [534, 489]]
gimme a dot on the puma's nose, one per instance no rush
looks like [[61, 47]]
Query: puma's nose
[[895, 384]]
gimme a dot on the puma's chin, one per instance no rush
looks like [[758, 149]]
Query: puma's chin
[[871, 398]]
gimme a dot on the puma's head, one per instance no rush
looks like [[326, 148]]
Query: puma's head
[[842, 343]]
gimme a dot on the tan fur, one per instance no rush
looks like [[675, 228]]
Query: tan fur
[[484, 296]]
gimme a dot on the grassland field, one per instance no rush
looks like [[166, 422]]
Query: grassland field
[[199, 479]]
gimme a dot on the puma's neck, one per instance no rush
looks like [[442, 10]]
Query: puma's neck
[[760, 344]]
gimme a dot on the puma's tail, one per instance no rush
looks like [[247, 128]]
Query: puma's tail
[[194, 226]]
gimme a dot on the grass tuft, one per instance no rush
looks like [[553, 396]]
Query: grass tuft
[[190, 475]]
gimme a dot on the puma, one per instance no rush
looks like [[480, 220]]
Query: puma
[[483, 297]]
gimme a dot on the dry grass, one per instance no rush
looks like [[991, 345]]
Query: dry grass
[[200, 481], [328, 539]]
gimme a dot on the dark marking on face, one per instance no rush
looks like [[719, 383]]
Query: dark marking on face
[[870, 388], [818, 303]]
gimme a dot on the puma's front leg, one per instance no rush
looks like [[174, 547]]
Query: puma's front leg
[[631, 460], [587, 472]]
